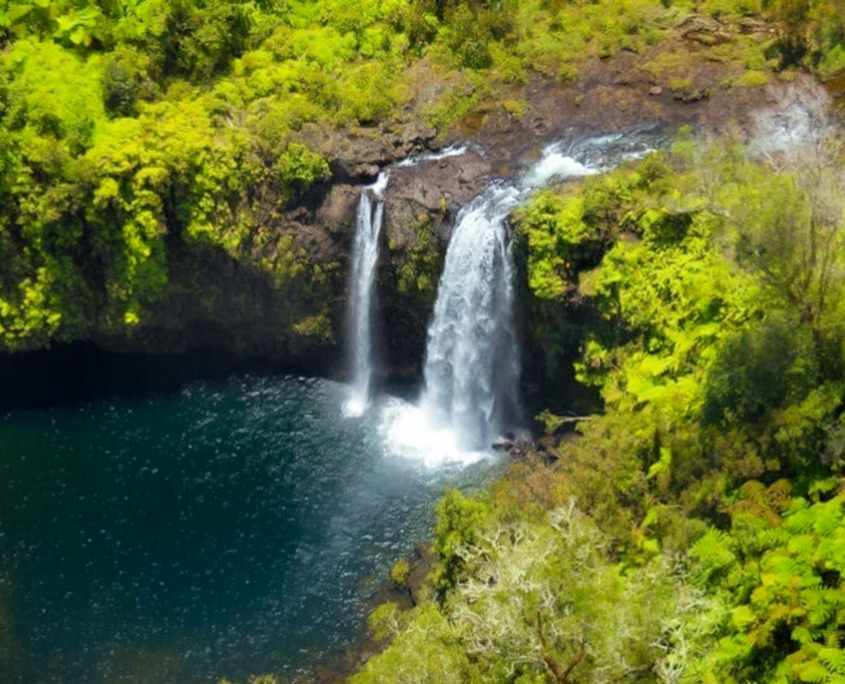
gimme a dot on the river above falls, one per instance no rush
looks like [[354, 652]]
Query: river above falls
[[235, 527]]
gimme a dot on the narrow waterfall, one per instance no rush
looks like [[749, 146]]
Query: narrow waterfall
[[364, 258], [472, 358]]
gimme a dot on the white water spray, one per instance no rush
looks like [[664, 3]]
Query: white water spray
[[472, 357], [364, 258], [451, 151], [472, 361]]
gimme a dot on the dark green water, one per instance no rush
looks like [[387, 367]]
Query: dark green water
[[235, 527]]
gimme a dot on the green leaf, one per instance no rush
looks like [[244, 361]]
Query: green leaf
[[742, 617], [662, 465], [813, 672]]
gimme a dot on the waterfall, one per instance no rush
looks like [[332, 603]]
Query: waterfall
[[364, 258], [472, 357], [472, 363]]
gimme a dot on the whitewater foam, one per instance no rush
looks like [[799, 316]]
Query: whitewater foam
[[472, 358], [407, 432], [451, 151], [555, 165]]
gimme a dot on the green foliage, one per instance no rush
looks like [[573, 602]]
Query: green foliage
[[813, 33], [125, 81], [420, 263], [722, 342], [717, 284], [535, 599], [713, 286], [758, 370], [753, 79], [399, 573], [299, 167], [110, 151], [425, 649], [456, 103], [257, 679], [50, 92], [559, 242], [780, 575], [317, 327], [84, 90], [457, 518]]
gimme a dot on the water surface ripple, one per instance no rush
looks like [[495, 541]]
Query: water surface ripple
[[236, 527]]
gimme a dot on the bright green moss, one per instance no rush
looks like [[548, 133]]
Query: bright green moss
[[399, 573], [315, 327]]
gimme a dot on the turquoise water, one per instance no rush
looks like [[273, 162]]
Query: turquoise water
[[234, 527]]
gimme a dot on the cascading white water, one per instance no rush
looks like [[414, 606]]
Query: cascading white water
[[362, 278], [364, 258], [472, 362], [451, 151], [472, 358]]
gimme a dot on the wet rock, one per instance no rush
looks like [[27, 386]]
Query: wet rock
[[704, 30], [420, 207], [432, 190], [693, 95], [369, 172], [416, 133], [356, 155], [217, 303], [547, 442], [337, 212]]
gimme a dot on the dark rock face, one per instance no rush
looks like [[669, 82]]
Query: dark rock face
[[436, 189], [214, 302], [356, 155]]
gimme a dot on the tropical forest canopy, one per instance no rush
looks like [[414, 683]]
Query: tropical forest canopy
[[694, 530], [126, 126]]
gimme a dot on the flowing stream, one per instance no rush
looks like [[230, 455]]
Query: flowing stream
[[364, 260]]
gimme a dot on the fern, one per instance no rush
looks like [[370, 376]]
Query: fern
[[833, 659], [789, 577]]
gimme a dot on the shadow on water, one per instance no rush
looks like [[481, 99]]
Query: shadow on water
[[81, 371]]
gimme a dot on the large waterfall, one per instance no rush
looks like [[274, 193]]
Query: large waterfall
[[472, 362], [472, 357], [364, 258]]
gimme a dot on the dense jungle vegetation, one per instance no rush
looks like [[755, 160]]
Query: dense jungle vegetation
[[126, 126], [691, 531]]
